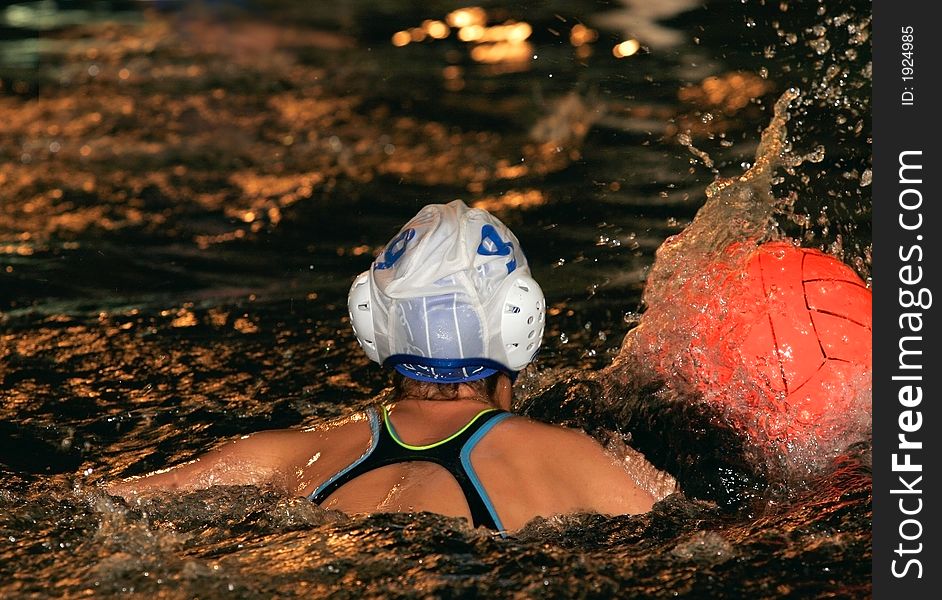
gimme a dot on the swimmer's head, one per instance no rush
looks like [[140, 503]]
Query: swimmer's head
[[450, 299]]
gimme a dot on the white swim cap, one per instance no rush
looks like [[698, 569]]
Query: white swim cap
[[449, 299]]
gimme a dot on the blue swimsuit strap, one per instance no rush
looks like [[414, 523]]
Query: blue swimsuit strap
[[318, 495], [469, 468]]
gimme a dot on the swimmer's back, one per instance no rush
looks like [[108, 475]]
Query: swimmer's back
[[527, 469]]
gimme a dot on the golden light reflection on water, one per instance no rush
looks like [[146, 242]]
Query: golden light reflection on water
[[581, 35], [729, 92], [626, 48], [19, 249], [401, 38], [510, 31], [504, 44], [502, 52], [162, 129], [719, 101], [514, 199], [467, 17], [436, 29], [184, 318]]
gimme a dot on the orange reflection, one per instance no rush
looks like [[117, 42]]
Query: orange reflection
[[581, 35], [626, 48], [730, 92], [514, 199], [471, 33], [502, 52], [173, 139], [496, 44], [465, 17], [401, 38], [436, 29]]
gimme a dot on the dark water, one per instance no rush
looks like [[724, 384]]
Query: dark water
[[187, 192]]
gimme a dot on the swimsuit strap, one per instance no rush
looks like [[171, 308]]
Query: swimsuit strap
[[325, 489], [452, 453]]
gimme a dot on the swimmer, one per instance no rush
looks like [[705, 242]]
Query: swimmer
[[449, 305]]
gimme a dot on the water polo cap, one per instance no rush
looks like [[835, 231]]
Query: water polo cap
[[449, 299]]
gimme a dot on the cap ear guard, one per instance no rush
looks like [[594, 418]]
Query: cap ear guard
[[360, 305], [522, 321]]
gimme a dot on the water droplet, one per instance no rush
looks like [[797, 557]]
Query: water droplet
[[820, 45]]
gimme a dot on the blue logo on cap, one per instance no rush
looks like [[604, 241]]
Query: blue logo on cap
[[395, 249], [492, 245]]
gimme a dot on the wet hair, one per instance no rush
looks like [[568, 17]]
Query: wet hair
[[405, 387]]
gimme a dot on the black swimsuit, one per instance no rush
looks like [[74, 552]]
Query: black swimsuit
[[453, 453]]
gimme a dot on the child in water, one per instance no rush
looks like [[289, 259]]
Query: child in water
[[451, 307]]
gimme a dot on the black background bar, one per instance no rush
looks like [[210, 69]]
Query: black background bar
[[906, 117]]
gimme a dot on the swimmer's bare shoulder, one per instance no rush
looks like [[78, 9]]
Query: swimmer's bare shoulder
[[285, 460], [535, 469]]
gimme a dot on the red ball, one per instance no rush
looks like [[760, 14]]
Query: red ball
[[786, 339]]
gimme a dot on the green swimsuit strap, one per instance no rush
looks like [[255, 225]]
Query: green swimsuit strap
[[398, 440]]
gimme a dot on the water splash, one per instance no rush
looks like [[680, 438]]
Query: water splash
[[684, 140], [737, 209], [825, 50], [731, 422]]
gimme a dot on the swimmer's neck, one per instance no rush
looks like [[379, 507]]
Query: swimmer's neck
[[466, 398], [439, 407]]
